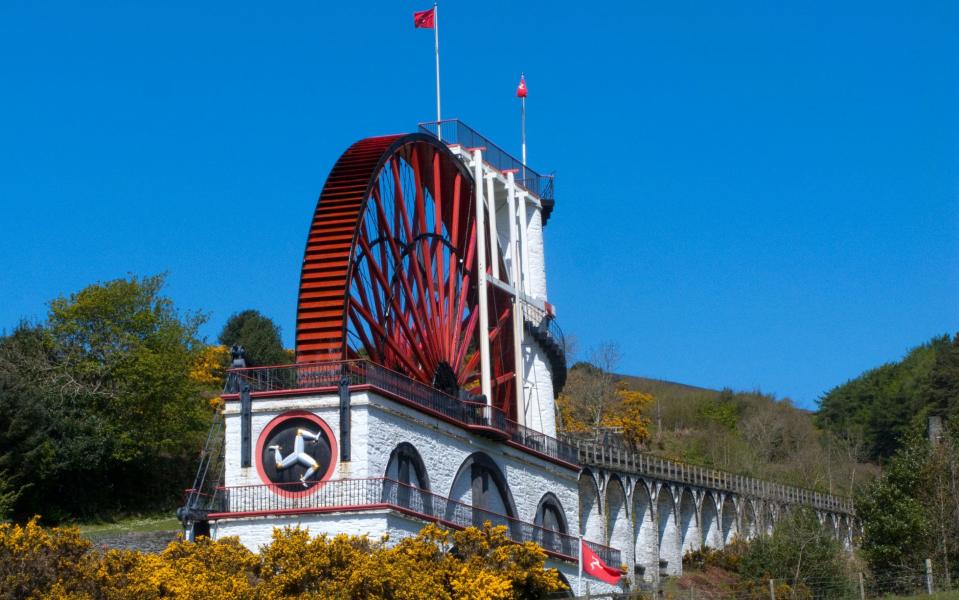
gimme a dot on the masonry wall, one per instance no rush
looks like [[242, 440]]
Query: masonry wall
[[256, 532], [378, 426]]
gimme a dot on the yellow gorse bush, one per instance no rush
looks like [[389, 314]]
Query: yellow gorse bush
[[210, 366], [436, 564]]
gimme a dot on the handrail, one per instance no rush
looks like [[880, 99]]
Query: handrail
[[489, 419], [457, 132], [476, 416], [664, 468], [341, 495]]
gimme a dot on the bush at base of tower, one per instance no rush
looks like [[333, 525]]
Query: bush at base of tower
[[437, 564]]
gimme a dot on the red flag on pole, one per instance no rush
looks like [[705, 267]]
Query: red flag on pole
[[521, 90], [595, 566], [424, 19]]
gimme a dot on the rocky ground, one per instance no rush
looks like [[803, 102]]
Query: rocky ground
[[144, 541], [147, 534]]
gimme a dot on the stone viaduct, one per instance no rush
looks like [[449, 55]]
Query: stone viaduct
[[655, 510]]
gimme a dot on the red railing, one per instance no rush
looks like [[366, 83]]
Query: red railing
[[326, 376], [344, 495]]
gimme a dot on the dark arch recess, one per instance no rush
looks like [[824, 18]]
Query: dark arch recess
[[477, 467], [551, 517], [547, 502], [402, 491]]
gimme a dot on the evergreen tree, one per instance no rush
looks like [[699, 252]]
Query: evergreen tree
[[941, 389], [258, 335], [895, 527], [883, 405], [801, 552]]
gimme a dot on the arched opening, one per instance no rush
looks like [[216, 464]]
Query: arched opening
[[830, 525], [712, 536], [748, 520], [406, 482], [647, 544], [844, 538], [590, 508], [480, 493], [551, 518], [728, 518], [729, 527], [669, 548], [769, 519], [618, 532], [689, 522]]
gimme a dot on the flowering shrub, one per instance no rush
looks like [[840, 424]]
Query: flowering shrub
[[436, 564]]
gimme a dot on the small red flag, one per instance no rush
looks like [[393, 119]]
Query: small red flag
[[424, 19], [521, 90], [594, 565]]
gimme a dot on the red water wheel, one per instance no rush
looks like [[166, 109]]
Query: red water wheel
[[390, 270]]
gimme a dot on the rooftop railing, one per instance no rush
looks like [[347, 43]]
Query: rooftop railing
[[326, 376], [344, 495], [670, 470], [454, 131]]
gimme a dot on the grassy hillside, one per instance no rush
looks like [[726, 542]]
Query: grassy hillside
[[752, 433], [664, 390]]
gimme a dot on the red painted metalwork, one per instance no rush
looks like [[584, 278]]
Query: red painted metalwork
[[390, 266]]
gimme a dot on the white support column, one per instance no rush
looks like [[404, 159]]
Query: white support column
[[517, 303], [524, 244], [481, 276], [493, 236]]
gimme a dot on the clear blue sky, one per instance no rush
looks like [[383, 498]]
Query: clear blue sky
[[749, 194]]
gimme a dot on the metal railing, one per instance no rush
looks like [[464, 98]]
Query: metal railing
[[545, 323], [478, 416], [344, 495], [661, 468], [454, 131], [543, 326]]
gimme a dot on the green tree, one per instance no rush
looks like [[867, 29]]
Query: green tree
[[800, 552], [941, 387], [882, 405], [896, 525], [97, 406], [258, 335]]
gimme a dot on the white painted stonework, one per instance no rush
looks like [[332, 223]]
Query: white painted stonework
[[378, 426], [540, 402]]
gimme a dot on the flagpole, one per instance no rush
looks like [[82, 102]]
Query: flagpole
[[523, 121], [436, 36], [579, 592]]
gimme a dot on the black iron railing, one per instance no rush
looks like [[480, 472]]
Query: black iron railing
[[344, 495], [454, 131], [545, 323], [477, 416], [544, 328]]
